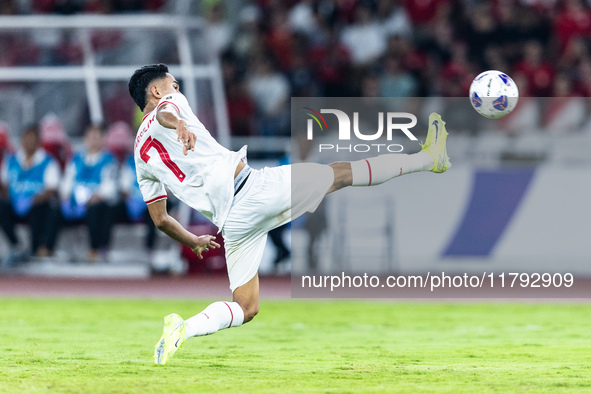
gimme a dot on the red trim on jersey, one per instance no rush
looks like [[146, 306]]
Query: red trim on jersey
[[368, 166], [164, 102], [146, 115], [156, 199], [231, 313]]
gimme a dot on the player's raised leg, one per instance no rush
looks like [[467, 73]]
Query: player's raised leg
[[377, 170]]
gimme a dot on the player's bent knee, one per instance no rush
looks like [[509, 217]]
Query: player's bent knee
[[251, 309], [247, 296]]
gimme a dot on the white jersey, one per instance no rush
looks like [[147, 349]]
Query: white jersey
[[204, 179]]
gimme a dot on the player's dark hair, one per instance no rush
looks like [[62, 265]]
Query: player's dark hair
[[141, 79]]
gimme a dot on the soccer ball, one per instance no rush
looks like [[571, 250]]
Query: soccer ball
[[493, 94]]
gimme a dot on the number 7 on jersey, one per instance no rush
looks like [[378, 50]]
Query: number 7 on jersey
[[154, 143]]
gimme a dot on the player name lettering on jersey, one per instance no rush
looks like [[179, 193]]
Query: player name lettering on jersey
[[141, 133]]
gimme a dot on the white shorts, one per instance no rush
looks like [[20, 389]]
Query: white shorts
[[270, 198]]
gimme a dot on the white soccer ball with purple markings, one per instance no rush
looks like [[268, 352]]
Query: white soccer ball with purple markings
[[493, 94]]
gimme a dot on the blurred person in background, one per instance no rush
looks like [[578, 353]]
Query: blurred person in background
[[248, 32], [301, 77], [539, 71], [271, 92], [241, 108], [218, 30], [55, 140], [393, 18], [89, 191], [365, 39], [279, 38], [395, 81], [28, 187], [331, 64]]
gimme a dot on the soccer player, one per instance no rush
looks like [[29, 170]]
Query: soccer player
[[245, 204]]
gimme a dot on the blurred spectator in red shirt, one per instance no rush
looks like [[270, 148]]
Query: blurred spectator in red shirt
[[574, 21], [331, 64], [279, 38], [422, 12], [241, 109], [540, 73]]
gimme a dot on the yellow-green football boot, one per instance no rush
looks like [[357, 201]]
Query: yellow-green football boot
[[435, 144], [173, 337]]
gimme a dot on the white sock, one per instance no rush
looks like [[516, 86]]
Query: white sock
[[215, 317], [377, 170]]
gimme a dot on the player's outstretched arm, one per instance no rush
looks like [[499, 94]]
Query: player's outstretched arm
[[168, 117], [168, 225]]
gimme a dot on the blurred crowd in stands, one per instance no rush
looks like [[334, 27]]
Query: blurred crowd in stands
[[48, 187], [271, 50], [274, 49]]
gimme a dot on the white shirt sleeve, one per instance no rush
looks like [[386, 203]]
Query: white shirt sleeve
[[152, 190], [68, 181], [51, 177]]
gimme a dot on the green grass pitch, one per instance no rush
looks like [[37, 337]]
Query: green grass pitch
[[98, 345]]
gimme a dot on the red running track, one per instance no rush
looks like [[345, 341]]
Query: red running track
[[215, 286]]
